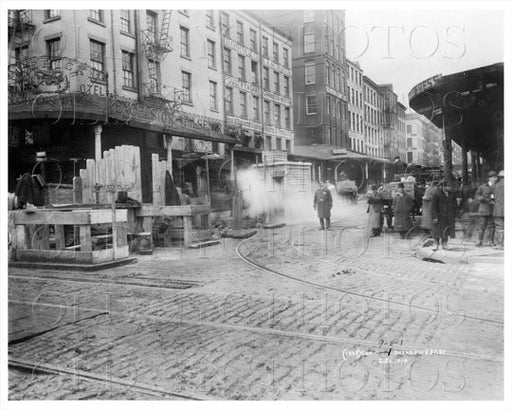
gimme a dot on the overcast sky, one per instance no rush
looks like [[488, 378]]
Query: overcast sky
[[421, 44]]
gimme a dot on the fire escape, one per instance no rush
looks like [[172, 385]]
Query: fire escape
[[21, 31], [157, 44]]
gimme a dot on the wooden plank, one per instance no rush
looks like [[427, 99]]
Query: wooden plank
[[104, 216], [182, 210], [108, 177], [86, 190], [155, 180], [22, 237], [163, 169], [105, 255], [137, 171], [85, 238], [60, 238], [56, 256], [52, 218], [91, 178], [77, 190]]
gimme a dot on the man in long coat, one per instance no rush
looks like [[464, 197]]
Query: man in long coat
[[444, 211], [485, 195], [426, 213], [403, 204], [374, 211], [322, 202], [499, 210]]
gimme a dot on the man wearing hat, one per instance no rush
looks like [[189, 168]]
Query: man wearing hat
[[403, 204], [499, 210], [485, 195], [444, 212], [322, 203]]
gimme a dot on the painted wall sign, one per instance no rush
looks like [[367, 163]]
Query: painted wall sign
[[40, 75]]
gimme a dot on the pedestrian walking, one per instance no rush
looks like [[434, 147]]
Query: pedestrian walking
[[403, 204], [444, 212], [485, 196], [322, 203], [499, 211], [374, 211]]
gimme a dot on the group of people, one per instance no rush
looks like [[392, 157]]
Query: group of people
[[440, 210], [403, 205], [491, 209]]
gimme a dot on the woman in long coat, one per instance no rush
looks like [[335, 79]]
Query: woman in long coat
[[426, 209], [374, 211], [403, 204], [444, 211]]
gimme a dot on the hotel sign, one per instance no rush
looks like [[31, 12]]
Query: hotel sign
[[236, 82], [277, 67], [277, 98]]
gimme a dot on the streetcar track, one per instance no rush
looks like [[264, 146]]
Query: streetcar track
[[352, 293], [90, 376], [273, 332], [178, 283]]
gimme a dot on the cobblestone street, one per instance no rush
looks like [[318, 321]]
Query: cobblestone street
[[291, 313]]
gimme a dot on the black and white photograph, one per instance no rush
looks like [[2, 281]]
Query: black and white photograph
[[259, 202]]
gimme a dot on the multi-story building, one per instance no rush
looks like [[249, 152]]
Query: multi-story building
[[356, 107], [394, 124], [181, 83], [256, 65], [319, 74], [373, 115], [417, 138]]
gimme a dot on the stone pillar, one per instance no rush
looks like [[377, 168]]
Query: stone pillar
[[447, 144], [465, 178], [98, 128]]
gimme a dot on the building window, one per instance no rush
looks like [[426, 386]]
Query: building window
[[225, 24], [253, 40], [213, 96], [53, 52], [128, 69], [309, 16], [211, 54], [277, 86], [275, 52], [277, 115], [240, 32], [96, 15], [279, 144], [268, 142], [287, 117], [328, 105], [186, 86], [229, 101], [185, 51], [243, 104], [210, 19], [254, 72], [97, 50], [126, 25], [227, 61], [310, 72], [154, 76], [310, 104], [266, 80], [151, 26], [51, 13], [309, 42], [241, 67], [264, 46], [409, 158], [286, 58], [255, 108], [288, 146], [21, 53], [266, 112], [409, 142], [286, 86]]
